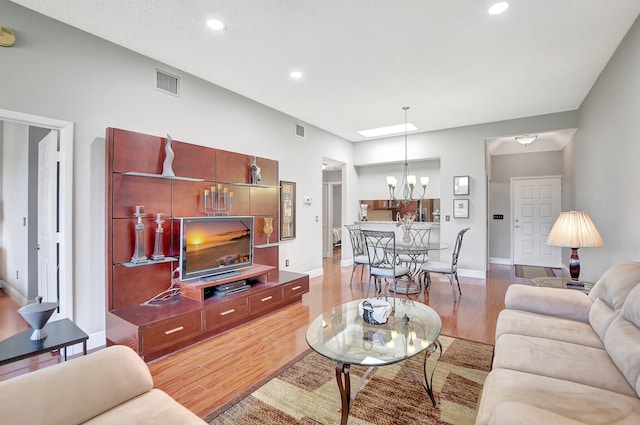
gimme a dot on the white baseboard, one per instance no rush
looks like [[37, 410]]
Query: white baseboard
[[315, 273], [13, 293], [478, 274], [505, 261], [346, 263]]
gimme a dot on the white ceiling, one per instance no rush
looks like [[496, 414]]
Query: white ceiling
[[363, 60]]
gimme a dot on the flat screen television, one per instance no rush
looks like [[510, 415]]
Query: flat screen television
[[214, 248]]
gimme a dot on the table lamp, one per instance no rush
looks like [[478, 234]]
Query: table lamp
[[574, 230]]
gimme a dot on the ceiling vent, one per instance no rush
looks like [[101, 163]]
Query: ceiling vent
[[167, 83], [299, 130]]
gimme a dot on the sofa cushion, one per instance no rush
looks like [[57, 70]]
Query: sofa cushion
[[532, 324], [92, 384], [616, 283], [600, 317], [510, 413], [622, 340], [558, 302], [152, 408], [578, 402], [559, 359]]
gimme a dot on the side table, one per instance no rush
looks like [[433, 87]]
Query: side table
[[61, 334], [563, 282]]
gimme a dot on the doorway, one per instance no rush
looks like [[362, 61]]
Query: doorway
[[57, 282], [331, 208], [536, 203]]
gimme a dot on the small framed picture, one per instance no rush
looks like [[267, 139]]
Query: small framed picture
[[460, 185], [460, 208]]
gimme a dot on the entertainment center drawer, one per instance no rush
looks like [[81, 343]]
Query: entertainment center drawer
[[265, 299], [296, 289], [171, 331], [225, 312]]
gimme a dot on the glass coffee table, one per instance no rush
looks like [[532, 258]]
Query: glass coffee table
[[341, 335]]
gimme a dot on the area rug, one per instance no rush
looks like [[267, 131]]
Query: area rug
[[529, 272], [307, 392]]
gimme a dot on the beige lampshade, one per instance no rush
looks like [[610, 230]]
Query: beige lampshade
[[574, 229]]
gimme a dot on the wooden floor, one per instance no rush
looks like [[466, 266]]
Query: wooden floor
[[209, 374]]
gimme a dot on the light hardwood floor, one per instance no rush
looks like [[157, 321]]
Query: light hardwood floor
[[209, 374]]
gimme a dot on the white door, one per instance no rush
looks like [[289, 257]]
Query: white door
[[48, 286], [536, 205]]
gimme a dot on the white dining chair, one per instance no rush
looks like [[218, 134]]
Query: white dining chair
[[383, 262], [450, 269]]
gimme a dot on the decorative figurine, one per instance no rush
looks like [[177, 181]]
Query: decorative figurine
[[363, 212], [167, 165], [256, 178]]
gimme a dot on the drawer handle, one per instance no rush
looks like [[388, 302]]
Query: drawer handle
[[172, 331], [295, 288], [267, 298], [224, 313]]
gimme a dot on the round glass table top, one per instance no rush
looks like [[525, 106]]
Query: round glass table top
[[342, 335]]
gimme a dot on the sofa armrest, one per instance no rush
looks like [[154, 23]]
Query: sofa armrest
[[512, 413], [557, 302]]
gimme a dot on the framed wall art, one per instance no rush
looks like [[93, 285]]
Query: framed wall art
[[287, 210], [460, 185], [460, 208]]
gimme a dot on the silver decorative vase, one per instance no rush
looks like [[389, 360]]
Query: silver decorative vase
[[37, 314]]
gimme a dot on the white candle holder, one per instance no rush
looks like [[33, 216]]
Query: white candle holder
[[218, 201], [138, 249], [158, 254]]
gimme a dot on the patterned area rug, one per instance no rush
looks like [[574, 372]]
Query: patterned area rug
[[529, 272], [307, 392]]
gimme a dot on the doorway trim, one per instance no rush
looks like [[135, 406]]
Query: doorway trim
[[65, 130]]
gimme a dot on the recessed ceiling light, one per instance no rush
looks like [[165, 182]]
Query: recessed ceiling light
[[384, 131], [498, 8], [296, 74], [215, 24]]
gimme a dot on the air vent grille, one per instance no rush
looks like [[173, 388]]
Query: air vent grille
[[299, 130], [167, 83]]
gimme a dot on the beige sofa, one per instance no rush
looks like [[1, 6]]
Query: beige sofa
[[110, 386], [565, 357]]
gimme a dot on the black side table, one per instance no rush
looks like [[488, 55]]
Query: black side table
[[61, 334]]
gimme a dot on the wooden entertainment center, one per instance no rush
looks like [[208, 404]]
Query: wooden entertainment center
[[134, 178]]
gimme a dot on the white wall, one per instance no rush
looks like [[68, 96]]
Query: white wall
[[372, 183], [607, 154], [15, 208]]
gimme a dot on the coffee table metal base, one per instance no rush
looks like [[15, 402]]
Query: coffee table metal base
[[344, 380]]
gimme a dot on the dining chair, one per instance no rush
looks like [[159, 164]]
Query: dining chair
[[383, 262], [420, 234], [450, 269], [360, 257]]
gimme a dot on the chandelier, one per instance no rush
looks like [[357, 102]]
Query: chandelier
[[408, 184]]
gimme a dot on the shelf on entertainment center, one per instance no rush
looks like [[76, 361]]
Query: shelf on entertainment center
[[267, 245], [149, 262], [195, 290], [160, 176], [253, 185]]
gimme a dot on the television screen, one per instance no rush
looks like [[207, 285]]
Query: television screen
[[215, 246]]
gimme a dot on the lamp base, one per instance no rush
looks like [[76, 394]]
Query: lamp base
[[574, 264]]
